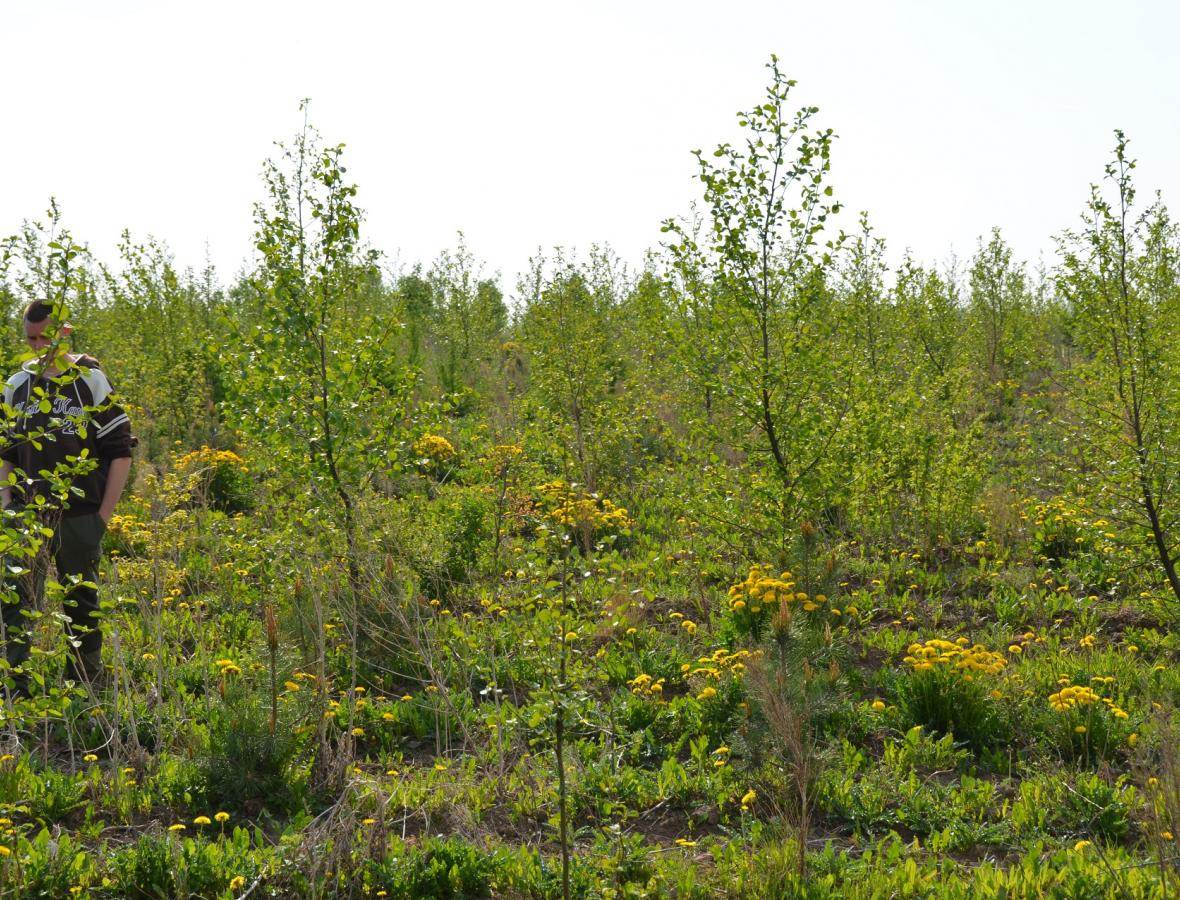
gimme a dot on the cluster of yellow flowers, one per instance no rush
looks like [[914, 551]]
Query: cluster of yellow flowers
[[955, 655], [435, 449], [208, 458], [126, 525], [643, 684], [762, 590], [502, 456], [720, 662], [1072, 697], [571, 508], [1076, 696], [1069, 520]]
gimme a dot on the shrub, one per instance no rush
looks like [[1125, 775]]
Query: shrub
[[434, 454], [247, 767], [164, 865], [48, 867], [219, 478], [950, 688], [438, 870], [1085, 724]]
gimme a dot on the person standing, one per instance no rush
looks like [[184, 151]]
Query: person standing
[[62, 411]]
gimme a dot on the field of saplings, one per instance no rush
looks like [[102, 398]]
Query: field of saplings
[[769, 570]]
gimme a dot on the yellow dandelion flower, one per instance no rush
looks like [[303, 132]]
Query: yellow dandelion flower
[[201, 820], [222, 817]]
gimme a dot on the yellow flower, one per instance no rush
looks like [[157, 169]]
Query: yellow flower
[[89, 757], [237, 883], [201, 820], [685, 843], [358, 732], [1080, 729], [1081, 845], [707, 694], [4, 851], [368, 821], [749, 797], [1132, 739], [222, 817], [179, 826], [1166, 835], [878, 705]]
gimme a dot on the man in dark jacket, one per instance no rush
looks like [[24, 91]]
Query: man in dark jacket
[[62, 419]]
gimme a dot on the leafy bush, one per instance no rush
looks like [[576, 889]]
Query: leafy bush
[[160, 866], [219, 478], [949, 689], [49, 867], [247, 767], [440, 869]]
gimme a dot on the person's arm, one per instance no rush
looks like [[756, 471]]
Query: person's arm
[[116, 480], [6, 469]]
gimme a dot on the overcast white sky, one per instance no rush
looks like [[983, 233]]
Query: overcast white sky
[[533, 124]]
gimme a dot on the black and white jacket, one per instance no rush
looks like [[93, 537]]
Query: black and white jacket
[[51, 419]]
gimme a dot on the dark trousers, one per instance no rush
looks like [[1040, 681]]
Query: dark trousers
[[76, 547]]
